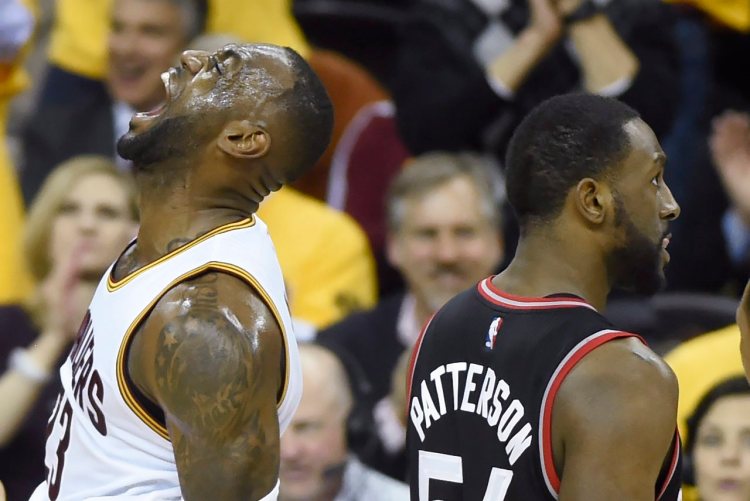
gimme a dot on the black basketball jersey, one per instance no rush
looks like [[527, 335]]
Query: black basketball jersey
[[485, 373]]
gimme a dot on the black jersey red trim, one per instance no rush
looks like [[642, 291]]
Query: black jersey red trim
[[586, 346], [672, 466], [501, 298]]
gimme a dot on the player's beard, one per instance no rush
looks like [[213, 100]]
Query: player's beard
[[637, 263], [170, 138]]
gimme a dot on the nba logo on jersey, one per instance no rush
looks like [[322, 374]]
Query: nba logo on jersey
[[492, 333]]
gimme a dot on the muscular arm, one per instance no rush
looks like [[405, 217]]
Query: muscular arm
[[613, 422], [210, 355]]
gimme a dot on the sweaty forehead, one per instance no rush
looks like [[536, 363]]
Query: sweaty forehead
[[642, 139], [643, 151], [275, 60]]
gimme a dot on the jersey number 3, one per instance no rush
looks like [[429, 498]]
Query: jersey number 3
[[448, 468], [54, 477]]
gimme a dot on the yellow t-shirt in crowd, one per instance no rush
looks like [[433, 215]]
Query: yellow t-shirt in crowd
[[733, 13], [78, 42], [700, 364], [15, 280], [325, 257]]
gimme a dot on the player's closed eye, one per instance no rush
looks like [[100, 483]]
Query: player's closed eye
[[215, 64]]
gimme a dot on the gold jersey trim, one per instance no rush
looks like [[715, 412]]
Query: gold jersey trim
[[113, 285], [120, 370]]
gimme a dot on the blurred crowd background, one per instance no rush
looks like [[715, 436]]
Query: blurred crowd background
[[405, 209]]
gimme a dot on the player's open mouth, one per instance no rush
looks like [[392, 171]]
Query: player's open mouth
[[155, 112], [142, 116], [664, 243]]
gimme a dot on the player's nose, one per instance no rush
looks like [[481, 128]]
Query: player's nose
[[194, 60], [670, 209]]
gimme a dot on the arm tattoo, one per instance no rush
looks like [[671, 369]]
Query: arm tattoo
[[209, 376]]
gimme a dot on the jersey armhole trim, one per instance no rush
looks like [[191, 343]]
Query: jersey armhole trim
[[143, 407], [672, 466], [575, 355]]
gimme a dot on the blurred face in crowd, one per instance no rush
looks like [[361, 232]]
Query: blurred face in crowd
[[93, 224], [145, 38], [313, 448], [445, 243], [721, 455]]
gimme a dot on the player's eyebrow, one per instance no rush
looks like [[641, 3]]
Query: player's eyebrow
[[660, 158]]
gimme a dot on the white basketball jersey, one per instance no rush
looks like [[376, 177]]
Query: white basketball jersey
[[105, 439]]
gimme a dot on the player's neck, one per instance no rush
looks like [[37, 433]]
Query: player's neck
[[177, 213], [544, 266]]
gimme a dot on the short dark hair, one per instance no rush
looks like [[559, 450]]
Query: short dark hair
[[309, 118], [733, 386], [563, 140]]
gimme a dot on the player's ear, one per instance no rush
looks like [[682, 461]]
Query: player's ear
[[243, 139], [593, 200]]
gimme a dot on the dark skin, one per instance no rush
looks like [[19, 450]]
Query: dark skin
[[606, 444], [209, 353]]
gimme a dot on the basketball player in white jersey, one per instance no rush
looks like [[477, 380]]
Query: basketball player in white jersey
[[186, 370]]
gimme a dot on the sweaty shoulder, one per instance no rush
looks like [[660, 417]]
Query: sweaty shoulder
[[618, 405], [214, 311], [625, 365], [211, 356]]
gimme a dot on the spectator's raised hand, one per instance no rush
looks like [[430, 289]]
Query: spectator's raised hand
[[730, 150], [545, 20], [64, 311], [565, 7]]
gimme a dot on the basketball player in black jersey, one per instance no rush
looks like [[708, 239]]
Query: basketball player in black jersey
[[520, 389]]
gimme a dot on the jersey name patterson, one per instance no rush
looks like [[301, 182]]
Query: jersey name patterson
[[475, 389], [485, 373], [105, 438]]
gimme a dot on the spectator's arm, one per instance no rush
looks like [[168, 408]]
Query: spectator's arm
[[730, 152], [20, 385], [508, 72], [638, 63], [29, 369], [607, 63], [443, 97]]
